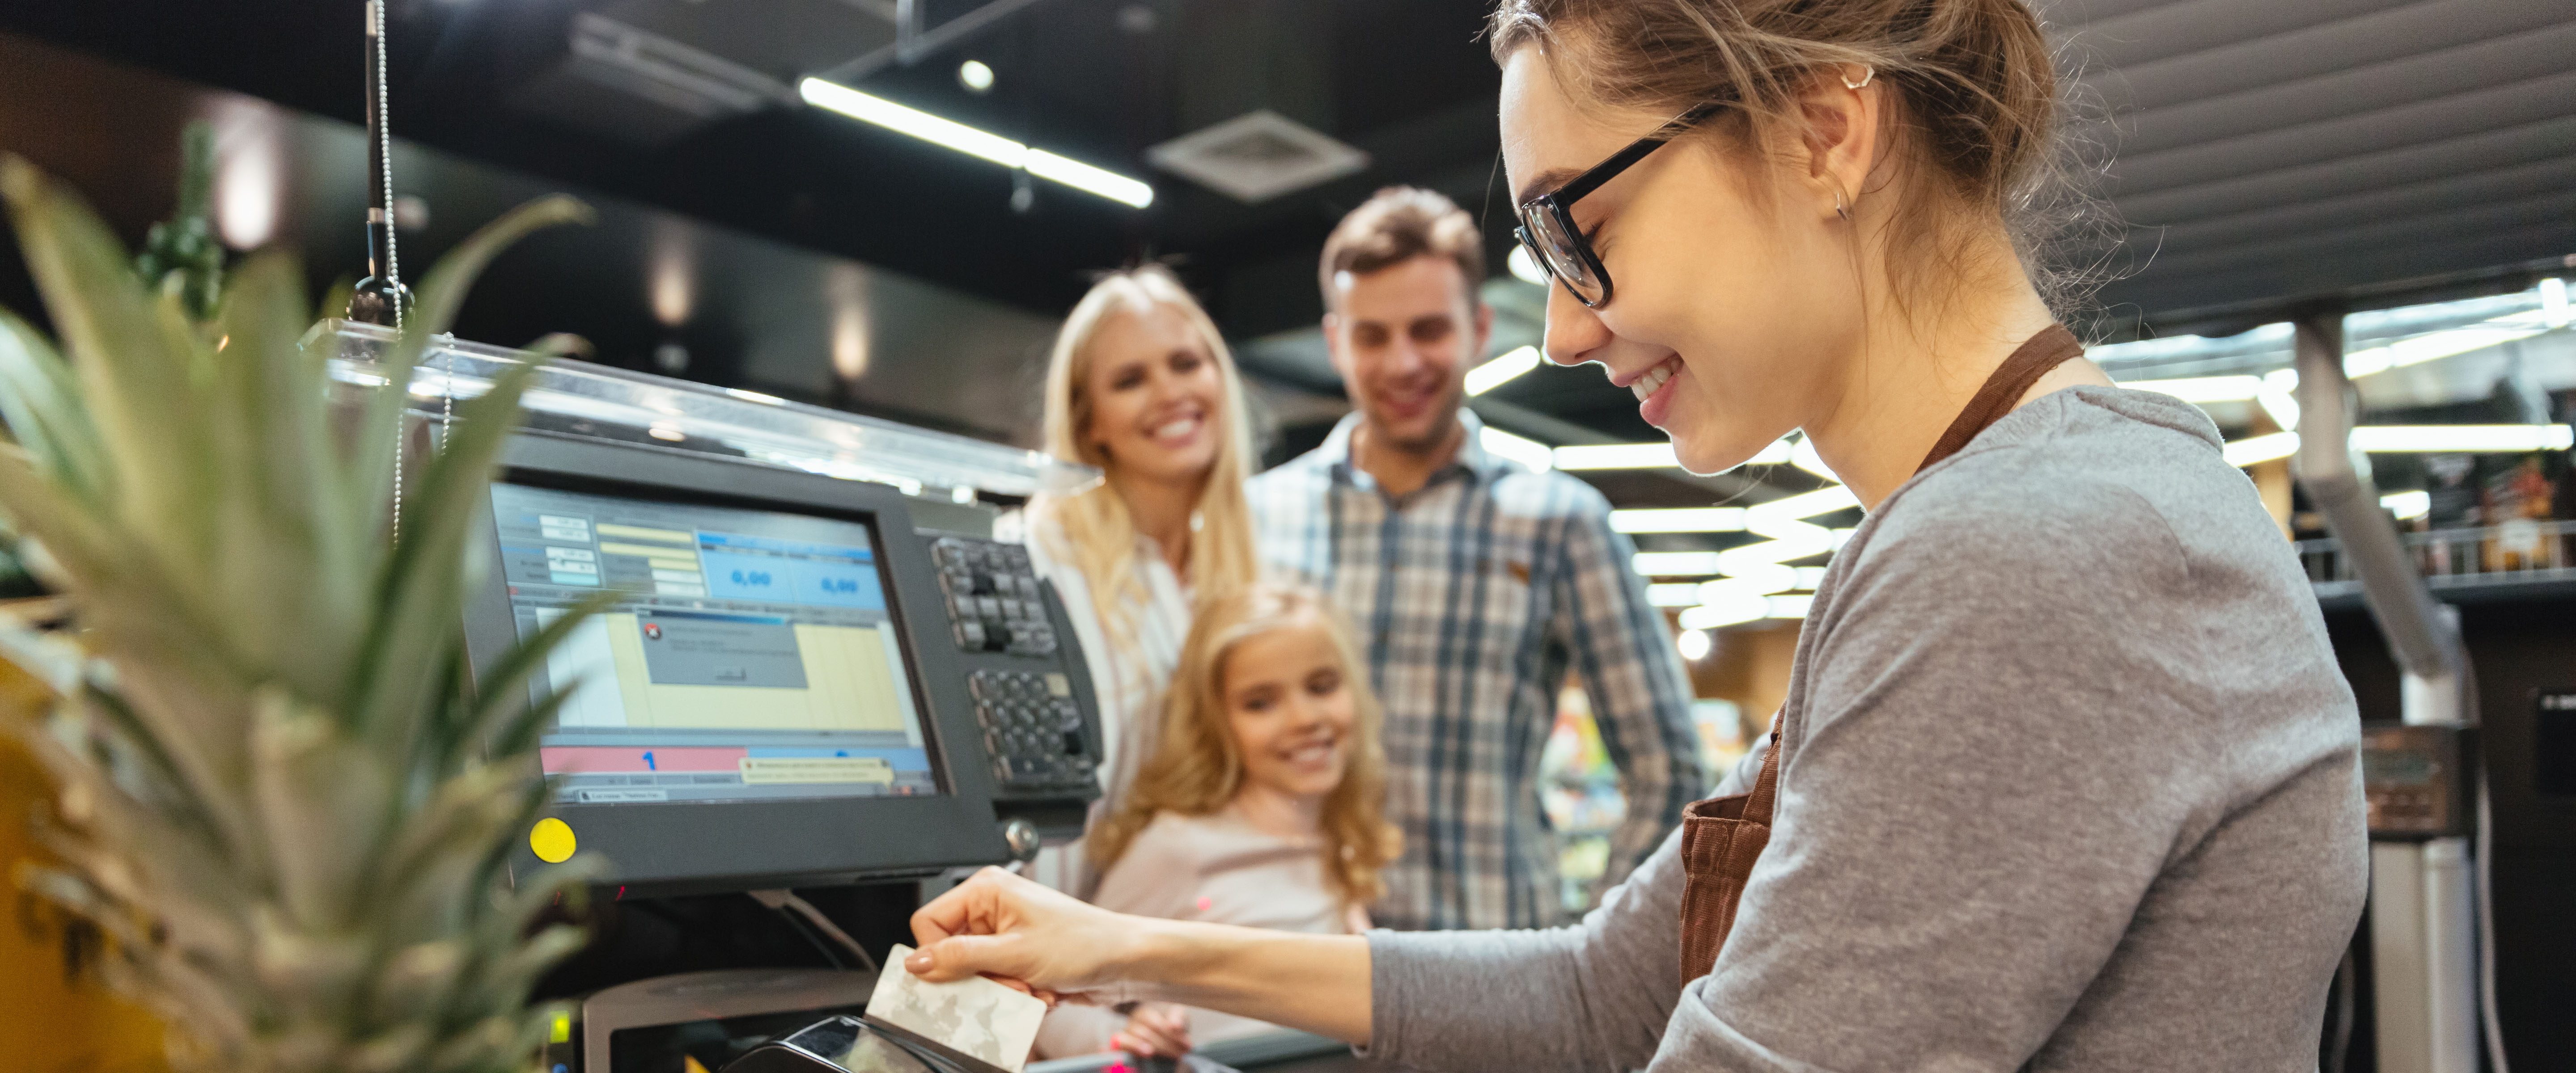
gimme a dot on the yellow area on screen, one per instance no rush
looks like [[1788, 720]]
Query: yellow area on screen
[[848, 686]]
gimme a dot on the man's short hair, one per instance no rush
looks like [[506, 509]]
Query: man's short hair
[[1397, 225]]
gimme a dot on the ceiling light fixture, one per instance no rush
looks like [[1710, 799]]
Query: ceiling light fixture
[[950, 134], [2202, 389], [1648, 456], [1501, 368], [2407, 505], [1524, 267], [975, 75], [1678, 520], [1673, 594], [1674, 563], [2553, 302], [1694, 645], [1521, 449]]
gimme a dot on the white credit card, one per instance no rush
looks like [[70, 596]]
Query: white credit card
[[973, 1016]]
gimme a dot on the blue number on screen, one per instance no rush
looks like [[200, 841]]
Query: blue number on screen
[[751, 577]]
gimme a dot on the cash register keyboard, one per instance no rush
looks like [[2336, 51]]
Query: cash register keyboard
[[1032, 728], [993, 597]]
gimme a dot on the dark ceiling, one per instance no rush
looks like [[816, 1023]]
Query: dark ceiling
[[1406, 82], [2270, 153]]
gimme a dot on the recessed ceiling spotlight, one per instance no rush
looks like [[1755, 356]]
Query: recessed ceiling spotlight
[[975, 76], [1138, 19]]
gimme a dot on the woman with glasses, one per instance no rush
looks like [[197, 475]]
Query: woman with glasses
[[2066, 777]]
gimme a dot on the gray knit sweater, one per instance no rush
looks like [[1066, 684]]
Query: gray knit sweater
[[2069, 782]]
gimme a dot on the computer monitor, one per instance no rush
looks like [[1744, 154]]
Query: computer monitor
[[779, 693]]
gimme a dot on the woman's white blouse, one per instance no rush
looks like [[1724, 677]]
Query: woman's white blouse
[[1128, 680]]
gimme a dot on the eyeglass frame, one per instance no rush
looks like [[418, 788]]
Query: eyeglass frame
[[1560, 201]]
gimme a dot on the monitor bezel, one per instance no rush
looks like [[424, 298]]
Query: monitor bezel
[[682, 846]]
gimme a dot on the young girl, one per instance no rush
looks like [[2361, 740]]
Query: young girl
[[1260, 806]]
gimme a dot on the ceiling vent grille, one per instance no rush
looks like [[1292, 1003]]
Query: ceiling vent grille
[[1257, 156]]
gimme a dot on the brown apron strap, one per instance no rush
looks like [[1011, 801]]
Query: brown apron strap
[[1722, 837], [2052, 347]]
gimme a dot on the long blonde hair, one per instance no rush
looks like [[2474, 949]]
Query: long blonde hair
[[1092, 529], [1198, 767]]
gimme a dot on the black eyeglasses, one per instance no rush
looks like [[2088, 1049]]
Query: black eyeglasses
[[1547, 221]]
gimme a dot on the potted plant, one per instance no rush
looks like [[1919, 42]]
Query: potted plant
[[278, 792]]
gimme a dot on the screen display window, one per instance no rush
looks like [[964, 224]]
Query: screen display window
[[751, 655]]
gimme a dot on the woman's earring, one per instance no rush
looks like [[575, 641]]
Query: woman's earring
[[1867, 74], [1841, 208]]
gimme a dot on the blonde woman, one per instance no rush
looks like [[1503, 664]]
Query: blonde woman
[[1261, 806], [1140, 385]]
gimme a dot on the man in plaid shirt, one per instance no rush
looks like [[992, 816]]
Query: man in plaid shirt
[[1476, 584]]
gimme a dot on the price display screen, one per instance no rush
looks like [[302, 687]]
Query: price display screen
[[749, 654]]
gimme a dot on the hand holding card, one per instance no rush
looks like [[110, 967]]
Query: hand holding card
[[973, 1016]]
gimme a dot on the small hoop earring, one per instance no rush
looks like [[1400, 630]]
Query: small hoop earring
[[1841, 208], [1867, 75]]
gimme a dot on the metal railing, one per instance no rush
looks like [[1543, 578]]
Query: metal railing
[[2515, 552]]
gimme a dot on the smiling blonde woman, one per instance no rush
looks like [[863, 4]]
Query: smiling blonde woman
[[1141, 385]]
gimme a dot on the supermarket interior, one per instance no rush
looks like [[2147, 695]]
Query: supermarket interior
[[572, 535]]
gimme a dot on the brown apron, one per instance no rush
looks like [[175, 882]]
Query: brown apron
[[1723, 836]]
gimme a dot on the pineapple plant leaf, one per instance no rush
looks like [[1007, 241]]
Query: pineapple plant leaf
[[281, 789]]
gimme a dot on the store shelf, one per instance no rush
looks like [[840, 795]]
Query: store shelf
[[2524, 560], [580, 398]]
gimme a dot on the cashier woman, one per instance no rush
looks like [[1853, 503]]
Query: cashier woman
[[2066, 775]]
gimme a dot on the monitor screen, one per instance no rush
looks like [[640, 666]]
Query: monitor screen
[[749, 656]]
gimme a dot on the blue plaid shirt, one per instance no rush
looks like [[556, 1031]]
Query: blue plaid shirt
[[1473, 597]]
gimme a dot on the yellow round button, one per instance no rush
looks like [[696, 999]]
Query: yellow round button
[[552, 840]]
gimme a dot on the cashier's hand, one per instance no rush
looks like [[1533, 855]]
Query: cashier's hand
[[1003, 926]]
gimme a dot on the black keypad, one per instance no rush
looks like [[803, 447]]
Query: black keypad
[[1032, 729], [992, 588]]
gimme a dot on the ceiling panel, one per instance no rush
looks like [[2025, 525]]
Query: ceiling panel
[[2268, 154]]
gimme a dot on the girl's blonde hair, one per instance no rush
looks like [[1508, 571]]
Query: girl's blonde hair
[[1092, 529], [1198, 767]]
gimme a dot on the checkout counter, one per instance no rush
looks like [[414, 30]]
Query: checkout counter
[[819, 673]]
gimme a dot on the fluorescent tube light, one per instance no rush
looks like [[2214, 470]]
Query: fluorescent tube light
[[1729, 613], [2432, 346], [1789, 606], [2408, 505], [1648, 455], [2553, 302], [1503, 367], [1521, 449], [1615, 455], [1673, 594], [2263, 448], [1679, 520], [2461, 439], [2202, 389], [1674, 563], [1804, 505], [950, 134], [1809, 577], [1084, 177]]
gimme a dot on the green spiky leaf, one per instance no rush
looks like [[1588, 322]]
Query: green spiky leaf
[[280, 793]]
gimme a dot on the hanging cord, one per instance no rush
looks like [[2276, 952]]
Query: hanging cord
[[786, 902], [393, 262]]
